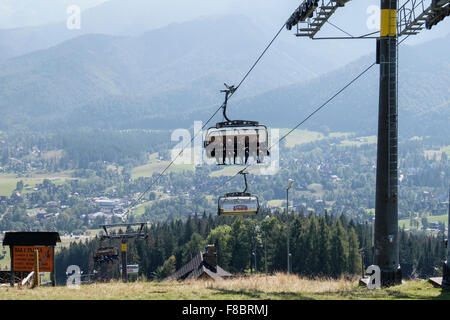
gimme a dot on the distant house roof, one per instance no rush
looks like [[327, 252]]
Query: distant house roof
[[31, 238], [198, 268]]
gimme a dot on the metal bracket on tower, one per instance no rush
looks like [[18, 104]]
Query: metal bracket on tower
[[314, 14], [415, 15], [124, 240]]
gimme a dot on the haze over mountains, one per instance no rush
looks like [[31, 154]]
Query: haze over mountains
[[424, 95], [169, 77], [168, 70], [24, 13], [31, 25], [135, 17]]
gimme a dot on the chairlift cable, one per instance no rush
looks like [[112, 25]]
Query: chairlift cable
[[304, 120], [340, 29], [314, 112], [206, 123], [279, 140], [324, 104], [259, 58]]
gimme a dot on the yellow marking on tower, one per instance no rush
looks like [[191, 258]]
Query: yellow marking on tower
[[388, 23]]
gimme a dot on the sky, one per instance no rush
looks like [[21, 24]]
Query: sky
[[143, 15], [24, 13], [19, 13]]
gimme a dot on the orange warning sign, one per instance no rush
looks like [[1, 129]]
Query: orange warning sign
[[23, 258]]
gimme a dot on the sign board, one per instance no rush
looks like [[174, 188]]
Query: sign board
[[124, 247], [23, 258], [132, 268]]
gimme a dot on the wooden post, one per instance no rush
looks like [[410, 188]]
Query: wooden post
[[36, 269], [53, 274], [124, 260]]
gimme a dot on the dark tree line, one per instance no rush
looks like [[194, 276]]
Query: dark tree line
[[77, 149], [320, 246]]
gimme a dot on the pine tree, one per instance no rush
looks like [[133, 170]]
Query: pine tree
[[312, 247], [323, 251], [339, 251], [241, 244], [354, 257]]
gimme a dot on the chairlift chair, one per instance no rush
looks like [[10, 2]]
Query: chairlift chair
[[304, 11], [106, 254], [238, 203], [235, 141]]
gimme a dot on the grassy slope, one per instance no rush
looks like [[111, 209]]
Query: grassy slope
[[298, 136], [441, 218], [155, 166], [233, 170], [8, 181], [280, 286]]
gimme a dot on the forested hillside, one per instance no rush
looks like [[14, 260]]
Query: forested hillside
[[320, 246]]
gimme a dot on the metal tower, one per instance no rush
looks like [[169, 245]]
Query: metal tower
[[124, 240], [386, 250], [413, 16]]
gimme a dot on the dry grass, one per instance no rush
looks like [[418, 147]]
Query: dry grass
[[278, 286], [282, 282], [256, 287]]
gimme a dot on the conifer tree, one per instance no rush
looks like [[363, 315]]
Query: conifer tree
[[339, 251], [354, 257]]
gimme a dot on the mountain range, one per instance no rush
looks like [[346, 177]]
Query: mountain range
[[169, 77], [423, 95], [169, 70]]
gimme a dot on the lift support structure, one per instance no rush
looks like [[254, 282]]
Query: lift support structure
[[129, 234], [396, 21]]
